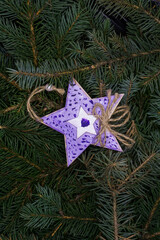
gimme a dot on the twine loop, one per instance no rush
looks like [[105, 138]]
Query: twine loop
[[47, 87], [107, 124]]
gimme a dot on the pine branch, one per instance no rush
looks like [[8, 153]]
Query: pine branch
[[115, 216], [70, 28], [42, 8], [100, 44], [16, 73], [102, 238], [21, 157], [13, 191], [9, 81], [150, 78], [3, 127], [16, 214], [9, 109], [77, 218], [32, 35], [64, 217], [129, 91], [56, 229], [141, 9], [148, 236], [136, 170], [152, 213], [105, 195], [128, 238], [102, 88]]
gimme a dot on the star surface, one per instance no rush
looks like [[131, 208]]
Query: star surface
[[78, 124], [83, 123]]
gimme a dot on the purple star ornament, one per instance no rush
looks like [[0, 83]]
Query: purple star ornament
[[77, 123]]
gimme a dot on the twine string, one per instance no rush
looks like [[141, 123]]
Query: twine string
[[36, 91], [107, 123]]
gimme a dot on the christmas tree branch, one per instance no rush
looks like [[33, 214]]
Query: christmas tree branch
[[9, 109], [146, 12], [3, 127], [41, 9], [56, 229], [77, 218], [115, 216], [32, 35], [137, 169], [86, 68], [69, 29], [150, 78], [128, 238], [63, 217], [119, 42], [139, 8], [102, 88], [152, 213], [13, 191], [23, 186], [147, 236], [9, 81], [16, 215], [21, 130], [129, 90], [100, 44], [21, 157], [100, 237]]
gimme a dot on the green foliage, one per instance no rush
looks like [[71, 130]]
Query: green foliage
[[48, 212], [103, 195]]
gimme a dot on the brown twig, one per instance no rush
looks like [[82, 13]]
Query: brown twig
[[9, 194], [56, 229], [2, 127], [41, 9], [21, 157], [136, 170], [101, 88], [69, 29], [146, 12], [152, 213], [128, 238], [89, 160], [77, 218], [102, 238], [9, 109], [64, 217], [101, 44], [9, 81], [129, 91], [148, 236], [32, 34], [141, 9], [87, 68], [150, 78], [115, 216]]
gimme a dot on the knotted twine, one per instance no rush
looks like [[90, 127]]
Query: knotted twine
[[106, 123], [48, 88]]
